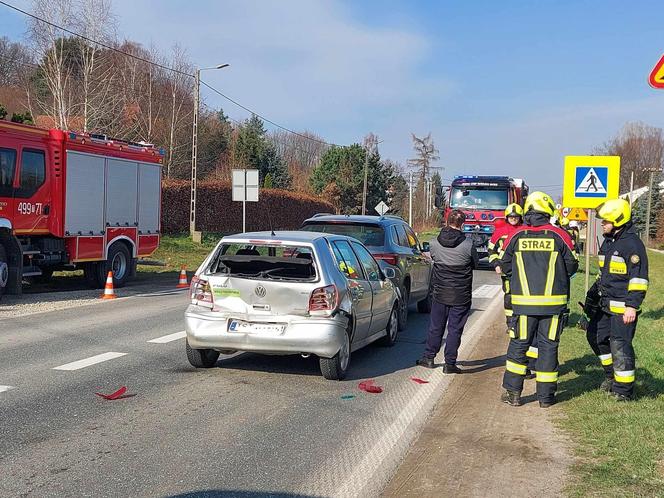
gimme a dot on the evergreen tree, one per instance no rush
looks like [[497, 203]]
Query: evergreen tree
[[272, 166], [344, 167], [640, 208]]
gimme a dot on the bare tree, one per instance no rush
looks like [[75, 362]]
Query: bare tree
[[641, 148], [13, 59], [180, 87], [425, 154], [300, 153], [95, 20], [52, 46]]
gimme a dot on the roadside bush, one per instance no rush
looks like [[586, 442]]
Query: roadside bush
[[216, 212]]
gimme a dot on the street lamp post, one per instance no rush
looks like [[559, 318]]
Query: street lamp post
[[194, 147]]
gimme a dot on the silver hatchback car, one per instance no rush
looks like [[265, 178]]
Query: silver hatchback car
[[290, 293]]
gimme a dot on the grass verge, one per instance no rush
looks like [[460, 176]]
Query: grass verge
[[619, 446], [178, 250]]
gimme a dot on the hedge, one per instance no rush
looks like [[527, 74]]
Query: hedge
[[216, 212]]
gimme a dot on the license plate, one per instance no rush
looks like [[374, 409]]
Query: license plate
[[255, 328]]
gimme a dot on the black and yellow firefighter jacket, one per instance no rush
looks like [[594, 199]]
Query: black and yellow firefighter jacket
[[539, 260], [623, 279]]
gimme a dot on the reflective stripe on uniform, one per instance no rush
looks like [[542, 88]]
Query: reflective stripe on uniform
[[515, 368], [617, 265], [624, 377], [606, 359], [617, 306], [509, 312], [522, 274], [601, 260], [553, 328], [546, 376], [637, 284], [539, 300], [532, 352], [512, 334], [493, 257], [548, 288], [523, 327]]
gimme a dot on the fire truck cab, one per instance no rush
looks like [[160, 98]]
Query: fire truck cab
[[483, 199], [73, 201]]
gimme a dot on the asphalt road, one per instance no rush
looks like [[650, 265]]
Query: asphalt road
[[252, 426]]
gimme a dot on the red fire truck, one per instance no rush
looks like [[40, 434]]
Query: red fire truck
[[483, 199], [75, 201]]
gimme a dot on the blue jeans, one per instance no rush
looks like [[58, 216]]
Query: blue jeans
[[452, 317]]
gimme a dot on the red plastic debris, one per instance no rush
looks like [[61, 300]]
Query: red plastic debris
[[419, 381], [116, 395], [369, 387]]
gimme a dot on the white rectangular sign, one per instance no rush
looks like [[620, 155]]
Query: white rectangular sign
[[245, 185]]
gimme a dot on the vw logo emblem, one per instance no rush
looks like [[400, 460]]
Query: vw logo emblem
[[260, 291]]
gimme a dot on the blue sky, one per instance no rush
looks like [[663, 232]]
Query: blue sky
[[504, 87]]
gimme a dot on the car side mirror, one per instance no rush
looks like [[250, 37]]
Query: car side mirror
[[426, 247], [390, 273]]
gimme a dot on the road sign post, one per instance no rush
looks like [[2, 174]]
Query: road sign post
[[245, 189], [382, 208], [588, 181]]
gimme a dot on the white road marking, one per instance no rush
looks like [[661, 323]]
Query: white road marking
[[75, 365], [486, 291], [169, 338], [381, 443], [4, 389]]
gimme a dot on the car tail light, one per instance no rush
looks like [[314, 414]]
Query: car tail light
[[390, 259], [324, 299], [201, 291]]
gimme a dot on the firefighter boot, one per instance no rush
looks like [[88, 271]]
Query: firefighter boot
[[606, 386], [511, 398]]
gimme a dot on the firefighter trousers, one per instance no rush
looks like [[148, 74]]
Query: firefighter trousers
[[599, 341], [546, 329], [615, 336]]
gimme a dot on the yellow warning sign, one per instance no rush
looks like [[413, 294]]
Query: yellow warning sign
[[656, 78], [577, 214]]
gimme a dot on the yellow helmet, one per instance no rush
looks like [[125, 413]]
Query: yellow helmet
[[564, 222], [616, 211], [540, 202], [513, 209]]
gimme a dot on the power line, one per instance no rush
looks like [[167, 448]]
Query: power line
[[266, 119], [96, 42], [168, 68]]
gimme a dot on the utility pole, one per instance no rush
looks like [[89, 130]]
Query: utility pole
[[410, 198], [194, 149], [370, 143], [194, 152], [647, 235]]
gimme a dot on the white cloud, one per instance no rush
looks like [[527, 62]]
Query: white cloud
[[302, 63]]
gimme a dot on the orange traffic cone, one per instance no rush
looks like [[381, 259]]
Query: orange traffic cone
[[182, 283], [109, 293]]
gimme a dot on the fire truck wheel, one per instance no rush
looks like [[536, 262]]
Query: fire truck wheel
[[119, 262], [4, 270]]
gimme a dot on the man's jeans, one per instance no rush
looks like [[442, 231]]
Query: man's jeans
[[454, 317]]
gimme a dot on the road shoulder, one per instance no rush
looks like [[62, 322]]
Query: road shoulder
[[473, 443]]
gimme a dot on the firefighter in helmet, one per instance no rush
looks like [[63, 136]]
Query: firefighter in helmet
[[539, 261], [616, 298], [513, 220]]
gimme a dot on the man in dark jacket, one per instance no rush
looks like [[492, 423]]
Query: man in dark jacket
[[454, 258]]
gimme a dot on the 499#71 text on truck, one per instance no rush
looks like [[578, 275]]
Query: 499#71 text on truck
[[73, 201]]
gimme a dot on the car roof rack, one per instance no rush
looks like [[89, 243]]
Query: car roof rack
[[322, 214]]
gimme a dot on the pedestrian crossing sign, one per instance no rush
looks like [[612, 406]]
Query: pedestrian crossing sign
[[590, 180]]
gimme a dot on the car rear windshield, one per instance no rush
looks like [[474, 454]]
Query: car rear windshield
[[368, 233], [263, 261]]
